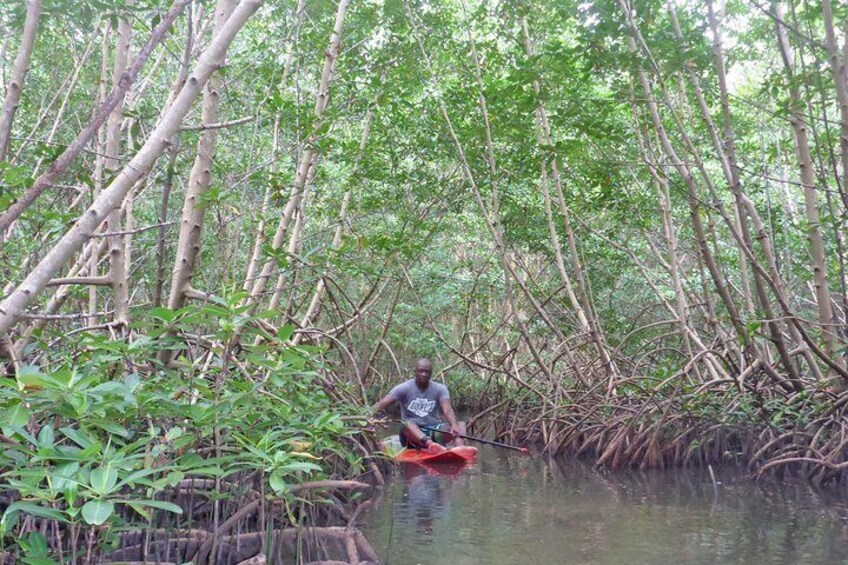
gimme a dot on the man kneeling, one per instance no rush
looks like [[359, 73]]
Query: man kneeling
[[422, 406]]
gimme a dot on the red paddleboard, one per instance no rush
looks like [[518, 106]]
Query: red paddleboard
[[459, 454]]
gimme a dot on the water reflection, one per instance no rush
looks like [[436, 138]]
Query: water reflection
[[423, 500], [513, 509]]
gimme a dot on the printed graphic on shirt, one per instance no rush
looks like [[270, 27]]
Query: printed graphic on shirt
[[421, 406]]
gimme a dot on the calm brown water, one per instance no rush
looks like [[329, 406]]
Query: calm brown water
[[510, 509]]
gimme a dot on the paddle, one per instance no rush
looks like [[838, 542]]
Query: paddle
[[478, 439]]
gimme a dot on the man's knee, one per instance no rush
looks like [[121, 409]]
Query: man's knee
[[409, 434]]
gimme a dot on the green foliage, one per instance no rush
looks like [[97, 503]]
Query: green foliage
[[101, 430]]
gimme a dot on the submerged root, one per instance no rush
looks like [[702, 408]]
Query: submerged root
[[331, 543], [253, 530]]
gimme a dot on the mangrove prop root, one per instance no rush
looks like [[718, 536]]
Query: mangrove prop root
[[335, 541], [678, 421]]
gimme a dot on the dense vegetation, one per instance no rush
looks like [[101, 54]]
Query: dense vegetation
[[618, 228]]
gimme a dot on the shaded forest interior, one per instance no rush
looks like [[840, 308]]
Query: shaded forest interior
[[616, 227]]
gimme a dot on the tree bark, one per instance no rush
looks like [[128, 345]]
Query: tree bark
[[681, 310], [727, 158], [585, 314], [61, 164], [111, 165], [692, 189], [306, 158], [266, 201], [86, 260], [191, 226], [312, 309], [19, 72], [173, 150], [13, 306], [66, 90], [99, 176], [744, 207], [840, 80], [808, 180]]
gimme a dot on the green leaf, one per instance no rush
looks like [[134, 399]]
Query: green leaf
[[77, 436], [163, 314], [90, 452], [111, 387], [300, 466], [113, 428], [285, 332], [17, 415], [103, 479], [135, 477], [63, 378], [9, 383], [36, 549], [158, 504], [95, 512], [277, 482], [33, 510], [140, 509], [36, 544], [38, 560], [46, 437], [173, 433], [211, 471], [30, 375], [63, 476], [174, 477]]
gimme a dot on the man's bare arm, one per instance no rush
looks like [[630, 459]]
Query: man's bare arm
[[383, 403], [447, 410]]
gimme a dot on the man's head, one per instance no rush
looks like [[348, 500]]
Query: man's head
[[423, 372]]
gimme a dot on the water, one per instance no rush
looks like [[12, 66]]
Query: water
[[511, 509]]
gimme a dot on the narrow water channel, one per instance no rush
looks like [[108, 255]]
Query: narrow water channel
[[510, 509]]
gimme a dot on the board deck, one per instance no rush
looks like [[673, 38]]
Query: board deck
[[454, 455]]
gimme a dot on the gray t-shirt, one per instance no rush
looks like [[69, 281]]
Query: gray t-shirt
[[420, 406]]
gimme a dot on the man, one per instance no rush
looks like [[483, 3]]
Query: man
[[421, 404]]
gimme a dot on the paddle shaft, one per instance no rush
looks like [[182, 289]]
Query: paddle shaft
[[478, 439]]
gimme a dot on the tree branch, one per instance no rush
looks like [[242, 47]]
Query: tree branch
[[61, 164], [217, 125]]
